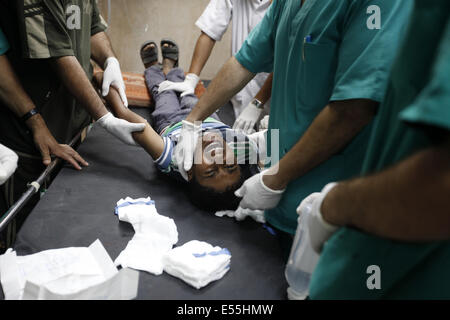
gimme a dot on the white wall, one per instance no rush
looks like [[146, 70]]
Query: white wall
[[134, 21]]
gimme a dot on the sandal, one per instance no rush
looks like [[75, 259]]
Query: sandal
[[151, 54], [170, 52]]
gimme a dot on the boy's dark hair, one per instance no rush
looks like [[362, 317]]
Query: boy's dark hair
[[210, 200]]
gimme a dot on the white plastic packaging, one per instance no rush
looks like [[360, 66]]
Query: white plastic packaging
[[302, 261]]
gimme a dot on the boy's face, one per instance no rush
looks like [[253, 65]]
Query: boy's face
[[215, 165]]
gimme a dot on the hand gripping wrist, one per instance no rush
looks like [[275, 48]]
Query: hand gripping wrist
[[329, 227], [191, 126], [192, 79], [266, 187], [103, 121], [110, 60]]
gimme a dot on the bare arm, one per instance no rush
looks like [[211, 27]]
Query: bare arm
[[77, 82], [11, 91], [407, 202], [202, 52], [265, 92], [18, 101], [148, 139], [101, 48], [331, 131], [229, 81]]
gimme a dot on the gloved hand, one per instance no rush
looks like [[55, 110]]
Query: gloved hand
[[256, 195], [264, 123], [240, 214], [120, 128], [186, 87], [247, 119], [185, 148], [259, 138], [319, 230], [8, 163], [113, 77]]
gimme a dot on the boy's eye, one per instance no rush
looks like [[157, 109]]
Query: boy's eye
[[210, 173]]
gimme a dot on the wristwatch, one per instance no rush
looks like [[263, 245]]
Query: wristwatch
[[258, 104], [29, 114]]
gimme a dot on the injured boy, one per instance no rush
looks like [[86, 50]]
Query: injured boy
[[224, 158]]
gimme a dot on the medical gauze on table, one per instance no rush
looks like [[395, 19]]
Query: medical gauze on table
[[197, 263], [155, 235], [240, 214]]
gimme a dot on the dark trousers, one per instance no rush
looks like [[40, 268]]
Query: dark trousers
[[169, 106]]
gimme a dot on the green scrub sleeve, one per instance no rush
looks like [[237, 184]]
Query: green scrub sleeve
[[366, 54], [432, 107]]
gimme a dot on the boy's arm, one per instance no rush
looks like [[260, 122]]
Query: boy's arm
[[148, 138]]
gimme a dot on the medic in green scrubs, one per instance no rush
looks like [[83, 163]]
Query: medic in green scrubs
[[331, 61], [394, 243]]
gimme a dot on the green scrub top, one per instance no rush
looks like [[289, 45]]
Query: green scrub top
[[418, 97], [320, 52], [4, 46]]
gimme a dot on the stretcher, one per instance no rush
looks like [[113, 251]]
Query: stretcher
[[78, 208]]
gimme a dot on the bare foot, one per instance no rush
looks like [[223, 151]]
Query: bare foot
[[167, 63], [150, 46]]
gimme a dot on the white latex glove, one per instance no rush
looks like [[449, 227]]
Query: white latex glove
[[186, 87], [113, 77], [319, 230], [185, 148], [264, 123], [259, 138], [240, 214], [8, 163], [120, 128], [247, 119], [256, 195]]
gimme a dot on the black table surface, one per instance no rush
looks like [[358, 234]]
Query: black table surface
[[78, 209]]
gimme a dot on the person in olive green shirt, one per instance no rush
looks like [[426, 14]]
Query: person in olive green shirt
[[17, 100], [51, 45], [396, 216], [330, 71]]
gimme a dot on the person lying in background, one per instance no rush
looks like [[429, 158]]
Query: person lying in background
[[252, 101], [225, 157]]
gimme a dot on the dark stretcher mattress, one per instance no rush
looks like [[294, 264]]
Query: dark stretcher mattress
[[78, 209]]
